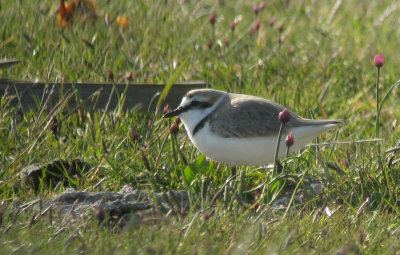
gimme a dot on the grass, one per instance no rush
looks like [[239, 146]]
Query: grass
[[310, 233], [322, 69]]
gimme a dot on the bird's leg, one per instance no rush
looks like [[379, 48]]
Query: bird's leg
[[233, 171]]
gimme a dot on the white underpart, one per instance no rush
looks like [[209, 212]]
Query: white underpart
[[252, 151]]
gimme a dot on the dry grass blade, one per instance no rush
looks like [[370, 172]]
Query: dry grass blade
[[394, 149], [375, 140], [88, 43]]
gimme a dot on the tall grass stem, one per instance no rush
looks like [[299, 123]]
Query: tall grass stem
[[277, 148], [377, 106]]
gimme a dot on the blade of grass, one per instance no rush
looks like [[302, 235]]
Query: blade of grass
[[167, 88]]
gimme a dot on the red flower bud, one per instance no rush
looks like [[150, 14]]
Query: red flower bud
[[255, 9], [251, 31], [209, 44], [262, 5], [165, 110], [281, 27], [379, 60], [133, 134], [344, 162], [257, 25], [226, 43], [178, 120], [272, 21], [284, 116], [100, 214], [111, 75], [129, 75], [183, 212], [209, 215], [174, 128], [289, 140], [212, 19], [233, 26]]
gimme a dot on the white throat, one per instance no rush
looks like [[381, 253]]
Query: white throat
[[192, 117]]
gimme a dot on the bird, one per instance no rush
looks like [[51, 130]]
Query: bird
[[240, 129]]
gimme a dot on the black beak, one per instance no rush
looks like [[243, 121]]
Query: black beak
[[173, 113]]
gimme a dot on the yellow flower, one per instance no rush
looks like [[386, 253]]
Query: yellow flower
[[123, 21]]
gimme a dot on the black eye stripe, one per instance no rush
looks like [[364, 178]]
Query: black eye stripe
[[195, 104], [198, 104]]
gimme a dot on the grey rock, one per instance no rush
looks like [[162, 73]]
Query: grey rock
[[283, 202], [317, 188], [116, 204]]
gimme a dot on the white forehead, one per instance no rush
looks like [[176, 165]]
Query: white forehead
[[185, 101]]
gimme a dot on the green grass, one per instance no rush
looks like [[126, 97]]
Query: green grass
[[322, 69], [307, 232]]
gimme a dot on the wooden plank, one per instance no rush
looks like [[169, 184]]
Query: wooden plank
[[6, 63], [30, 95]]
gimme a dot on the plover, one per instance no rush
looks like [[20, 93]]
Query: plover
[[239, 129]]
